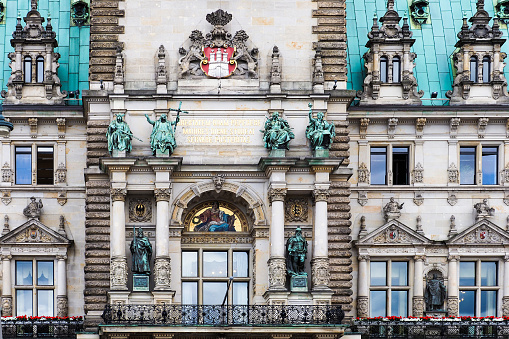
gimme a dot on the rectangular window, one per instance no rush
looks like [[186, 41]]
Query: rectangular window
[[478, 282], [24, 302], [378, 303], [400, 161], [467, 273], [45, 303], [378, 273], [34, 287], [44, 165], [488, 303], [189, 264], [23, 163], [399, 303], [378, 165], [189, 293], [467, 303], [45, 273], [24, 273], [215, 264], [389, 296], [399, 273], [489, 165], [467, 165], [240, 264]]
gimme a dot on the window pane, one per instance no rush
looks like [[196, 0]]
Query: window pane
[[24, 273], [189, 264], [467, 273], [44, 165], [489, 165], [40, 69], [24, 302], [215, 264], [240, 264], [240, 296], [486, 69], [399, 303], [45, 273], [467, 303], [28, 69], [473, 69], [23, 165], [400, 165], [488, 303], [45, 302], [396, 70], [190, 293], [377, 303], [378, 271], [383, 69], [467, 165], [399, 273], [214, 292], [488, 274], [378, 165]]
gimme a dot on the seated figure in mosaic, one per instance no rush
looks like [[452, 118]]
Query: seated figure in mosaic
[[119, 135], [163, 134], [277, 133], [319, 132], [215, 220]]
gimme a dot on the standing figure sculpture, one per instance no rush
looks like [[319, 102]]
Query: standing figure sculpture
[[277, 133], [319, 132], [296, 253], [141, 251], [163, 134], [435, 294], [119, 135], [215, 220]]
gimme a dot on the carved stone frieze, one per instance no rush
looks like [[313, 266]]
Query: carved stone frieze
[[118, 274], [277, 194], [418, 198], [296, 210], [418, 173], [363, 128], [277, 273], [223, 239], [118, 194], [218, 181], [453, 174], [418, 306], [362, 307], [363, 173], [62, 306], [140, 210], [33, 234], [6, 306], [6, 197], [7, 173], [505, 306], [453, 127], [320, 273], [452, 199], [321, 195], [362, 198], [452, 306], [61, 174], [419, 126], [162, 273], [481, 126]]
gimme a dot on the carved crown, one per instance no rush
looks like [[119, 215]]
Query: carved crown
[[219, 18]]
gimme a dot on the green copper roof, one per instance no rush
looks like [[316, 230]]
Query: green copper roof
[[434, 42]]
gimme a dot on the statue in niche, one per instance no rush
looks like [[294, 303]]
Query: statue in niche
[[277, 133], [214, 220], [319, 132], [33, 209], [435, 294], [296, 253], [119, 135], [141, 251], [163, 134]]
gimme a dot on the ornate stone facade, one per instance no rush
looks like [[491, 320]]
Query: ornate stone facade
[[418, 306], [162, 274], [320, 273], [362, 307], [277, 274], [118, 274], [62, 306]]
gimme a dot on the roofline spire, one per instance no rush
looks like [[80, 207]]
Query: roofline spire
[[33, 4]]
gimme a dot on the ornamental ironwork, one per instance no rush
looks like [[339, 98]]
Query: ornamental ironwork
[[217, 315], [41, 327]]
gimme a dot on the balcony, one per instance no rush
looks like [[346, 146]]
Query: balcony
[[40, 327]]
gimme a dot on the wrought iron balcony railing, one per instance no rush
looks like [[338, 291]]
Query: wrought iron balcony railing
[[217, 315], [432, 329], [41, 328]]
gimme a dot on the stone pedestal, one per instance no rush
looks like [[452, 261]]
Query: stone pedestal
[[277, 153], [165, 297], [436, 314], [118, 154], [299, 283], [141, 283], [118, 297], [141, 298], [321, 153], [165, 154]]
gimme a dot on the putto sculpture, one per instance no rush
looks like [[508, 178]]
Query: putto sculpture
[[320, 132], [277, 133], [119, 135]]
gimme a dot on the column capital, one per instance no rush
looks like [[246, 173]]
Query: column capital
[[321, 194], [6, 257], [363, 257], [61, 257], [420, 258], [118, 194], [454, 257], [506, 258], [277, 194], [162, 194]]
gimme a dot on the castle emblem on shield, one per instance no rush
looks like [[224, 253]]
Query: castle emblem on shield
[[218, 62]]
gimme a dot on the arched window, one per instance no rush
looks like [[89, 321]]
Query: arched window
[[27, 65], [474, 68], [396, 69], [40, 69], [486, 69], [384, 64]]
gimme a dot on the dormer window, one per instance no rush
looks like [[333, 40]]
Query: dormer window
[[474, 68], [396, 69], [40, 69], [486, 69], [27, 69], [384, 65]]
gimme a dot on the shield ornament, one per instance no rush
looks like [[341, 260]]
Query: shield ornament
[[218, 62]]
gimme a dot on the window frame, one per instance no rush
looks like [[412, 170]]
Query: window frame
[[396, 71], [384, 69], [389, 287], [27, 71], [480, 170], [486, 69], [478, 287], [39, 73], [35, 288], [35, 170], [390, 165], [474, 68]]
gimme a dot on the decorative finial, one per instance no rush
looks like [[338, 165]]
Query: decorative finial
[[418, 226], [61, 226], [390, 5], [6, 225], [33, 4], [480, 5], [219, 18], [19, 14]]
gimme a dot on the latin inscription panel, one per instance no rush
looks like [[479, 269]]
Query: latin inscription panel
[[217, 131]]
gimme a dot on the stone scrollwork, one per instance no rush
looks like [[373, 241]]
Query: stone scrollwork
[[6, 197], [418, 307], [452, 199], [452, 306], [321, 194], [118, 194], [33, 234], [162, 194], [162, 272], [80, 13], [362, 199], [505, 306], [61, 174], [362, 307], [277, 273], [277, 194], [419, 11], [62, 306], [6, 306], [418, 173], [363, 173], [320, 273], [6, 173], [453, 174], [118, 274]]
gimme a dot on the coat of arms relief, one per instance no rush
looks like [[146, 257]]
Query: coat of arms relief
[[218, 54]]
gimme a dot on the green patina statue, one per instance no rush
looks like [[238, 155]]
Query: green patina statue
[[296, 251], [163, 134], [141, 251], [277, 133], [319, 132], [119, 135]]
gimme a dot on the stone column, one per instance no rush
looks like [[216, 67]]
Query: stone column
[[320, 260], [277, 265], [363, 292], [452, 289], [505, 299], [118, 267], [6, 286], [162, 262], [418, 298], [62, 286]]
